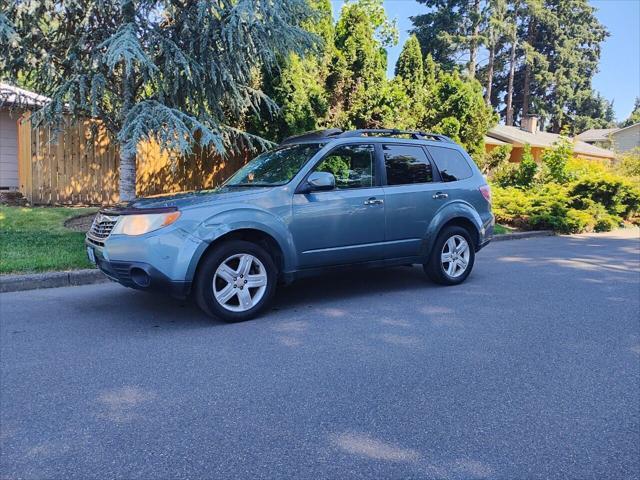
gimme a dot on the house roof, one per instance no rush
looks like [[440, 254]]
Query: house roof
[[519, 138], [596, 134], [493, 141], [618, 130], [11, 96]]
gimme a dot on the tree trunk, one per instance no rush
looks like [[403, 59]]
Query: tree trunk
[[473, 48], [127, 184], [526, 87], [492, 56], [512, 72]]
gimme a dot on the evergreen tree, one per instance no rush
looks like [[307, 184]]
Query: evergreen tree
[[179, 72], [450, 28], [588, 109], [357, 77], [456, 108], [409, 66], [635, 115], [298, 86]]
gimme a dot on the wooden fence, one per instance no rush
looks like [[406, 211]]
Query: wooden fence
[[79, 166]]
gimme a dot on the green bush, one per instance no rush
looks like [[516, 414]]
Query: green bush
[[555, 160], [614, 193], [551, 206], [527, 169], [490, 161], [629, 164]]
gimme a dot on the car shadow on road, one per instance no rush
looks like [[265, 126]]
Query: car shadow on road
[[163, 311], [349, 284]]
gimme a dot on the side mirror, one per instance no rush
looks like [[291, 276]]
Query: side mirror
[[319, 181]]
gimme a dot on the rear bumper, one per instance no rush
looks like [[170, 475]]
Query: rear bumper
[[486, 233], [142, 276]]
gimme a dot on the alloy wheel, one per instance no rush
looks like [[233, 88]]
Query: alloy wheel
[[455, 256], [240, 282]]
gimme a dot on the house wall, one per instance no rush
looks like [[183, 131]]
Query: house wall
[[537, 152], [8, 151], [626, 139]]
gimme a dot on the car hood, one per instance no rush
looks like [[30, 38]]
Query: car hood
[[188, 199]]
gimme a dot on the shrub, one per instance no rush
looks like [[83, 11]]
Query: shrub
[[516, 174], [488, 162], [505, 175], [555, 160], [550, 206], [527, 168], [629, 164], [618, 196], [579, 167]]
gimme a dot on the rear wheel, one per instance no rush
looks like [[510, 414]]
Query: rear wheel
[[236, 281], [452, 257]]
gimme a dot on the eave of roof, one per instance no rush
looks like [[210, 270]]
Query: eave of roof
[[11, 96], [596, 134], [519, 138], [625, 128]]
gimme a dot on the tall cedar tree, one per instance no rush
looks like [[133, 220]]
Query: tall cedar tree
[[450, 30], [297, 86], [179, 72], [542, 54]]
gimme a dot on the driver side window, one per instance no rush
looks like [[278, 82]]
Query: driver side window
[[353, 166]]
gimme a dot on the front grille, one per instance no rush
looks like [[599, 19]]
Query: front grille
[[101, 228]]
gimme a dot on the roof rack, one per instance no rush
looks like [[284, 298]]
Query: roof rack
[[387, 132], [313, 135], [364, 132]]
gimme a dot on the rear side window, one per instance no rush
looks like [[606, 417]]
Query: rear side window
[[405, 164], [452, 165]]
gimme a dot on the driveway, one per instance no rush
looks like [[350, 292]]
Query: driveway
[[529, 370]]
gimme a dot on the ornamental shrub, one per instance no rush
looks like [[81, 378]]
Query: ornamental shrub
[[527, 168], [555, 160], [618, 196]]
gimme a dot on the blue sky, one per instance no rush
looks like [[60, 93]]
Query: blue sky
[[619, 75]]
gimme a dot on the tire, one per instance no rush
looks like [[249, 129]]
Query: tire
[[446, 273], [227, 266]]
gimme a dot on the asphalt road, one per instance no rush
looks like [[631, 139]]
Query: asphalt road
[[529, 370]]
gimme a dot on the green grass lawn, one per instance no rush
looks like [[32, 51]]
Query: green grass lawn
[[499, 229], [36, 240]]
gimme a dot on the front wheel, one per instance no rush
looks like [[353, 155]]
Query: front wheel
[[452, 257], [236, 281]]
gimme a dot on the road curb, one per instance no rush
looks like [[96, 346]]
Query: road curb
[[522, 235], [32, 281]]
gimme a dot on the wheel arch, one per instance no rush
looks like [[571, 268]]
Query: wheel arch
[[249, 234], [459, 214]]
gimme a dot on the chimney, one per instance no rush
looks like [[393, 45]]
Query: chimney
[[529, 123]]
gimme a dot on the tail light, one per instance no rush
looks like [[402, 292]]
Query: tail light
[[485, 190]]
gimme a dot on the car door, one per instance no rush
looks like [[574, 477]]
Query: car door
[[412, 197], [344, 225]]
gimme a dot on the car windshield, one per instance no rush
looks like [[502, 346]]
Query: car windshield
[[276, 167]]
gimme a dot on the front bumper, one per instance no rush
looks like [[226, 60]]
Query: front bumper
[[160, 261], [142, 276]]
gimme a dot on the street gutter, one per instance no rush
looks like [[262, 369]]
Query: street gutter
[[33, 281]]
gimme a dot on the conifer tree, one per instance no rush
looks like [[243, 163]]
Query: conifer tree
[[180, 72]]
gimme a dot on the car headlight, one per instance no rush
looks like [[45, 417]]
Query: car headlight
[[141, 224]]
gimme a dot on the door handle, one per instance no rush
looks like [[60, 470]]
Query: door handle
[[440, 196], [374, 201]]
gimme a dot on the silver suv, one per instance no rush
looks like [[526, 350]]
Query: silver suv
[[322, 200]]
